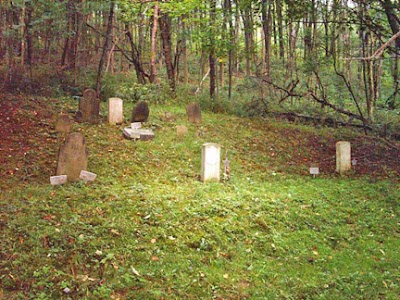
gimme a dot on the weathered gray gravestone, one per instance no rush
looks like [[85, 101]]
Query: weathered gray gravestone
[[72, 157], [64, 124], [343, 157], [210, 162], [193, 111], [89, 107], [140, 112], [115, 111]]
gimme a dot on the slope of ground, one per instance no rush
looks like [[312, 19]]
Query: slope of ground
[[147, 228]]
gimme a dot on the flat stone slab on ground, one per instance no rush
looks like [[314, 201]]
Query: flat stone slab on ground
[[138, 134], [87, 176]]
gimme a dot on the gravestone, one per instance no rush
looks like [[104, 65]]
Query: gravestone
[[193, 111], [138, 134], [343, 157], [140, 112], [168, 117], [314, 171], [58, 180], [64, 124], [210, 162], [72, 157], [136, 125], [181, 130], [89, 107], [87, 176], [115, 111]]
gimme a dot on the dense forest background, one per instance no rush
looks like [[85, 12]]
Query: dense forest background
[[331, 62]]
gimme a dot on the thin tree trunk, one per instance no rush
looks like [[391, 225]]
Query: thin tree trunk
[[165, 26], [106, 47], [153, 61]]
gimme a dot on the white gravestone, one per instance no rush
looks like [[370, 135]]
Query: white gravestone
[[58, 180], [343, 157], [314, 171], [136, 125], [115, 111], [87, 176], [210, 162]]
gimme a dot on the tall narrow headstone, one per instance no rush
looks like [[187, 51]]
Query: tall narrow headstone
[[72, 157], [89, 107], [210, 162], [140, 112], [115, 111], [343, 157], [193, 111]]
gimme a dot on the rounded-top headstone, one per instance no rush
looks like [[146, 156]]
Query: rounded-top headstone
[[141, 112], [89, 107], [64, 124], [72, 157], [193, 111], [89, 94]]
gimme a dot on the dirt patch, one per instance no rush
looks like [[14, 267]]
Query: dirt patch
[[27, 139]]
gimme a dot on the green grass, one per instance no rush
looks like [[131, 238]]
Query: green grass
[[147, 228]]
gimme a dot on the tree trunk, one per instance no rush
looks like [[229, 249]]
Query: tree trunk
[[106, 47], [211, 56], [153, 62], [165, 26]]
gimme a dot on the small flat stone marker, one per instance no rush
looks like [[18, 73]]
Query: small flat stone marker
[[181, 130], [115, 111], [58, 180], [87, 176], [343, 157], [136, 125], [314, 171], [210, 162]]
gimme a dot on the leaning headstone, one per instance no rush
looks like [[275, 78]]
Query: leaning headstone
[[89, 107], [64, 124], [193, 111], [115, 111], [72, 157], [343, 157], [58, 180], [140, 112], [87, 176], [210, 162], [181, 130]]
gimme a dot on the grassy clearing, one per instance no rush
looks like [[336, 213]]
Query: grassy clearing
[[148, 229]]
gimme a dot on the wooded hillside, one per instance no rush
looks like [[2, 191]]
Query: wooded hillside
[[325, 60]]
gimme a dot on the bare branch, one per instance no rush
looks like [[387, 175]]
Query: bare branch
[[378, 53]]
